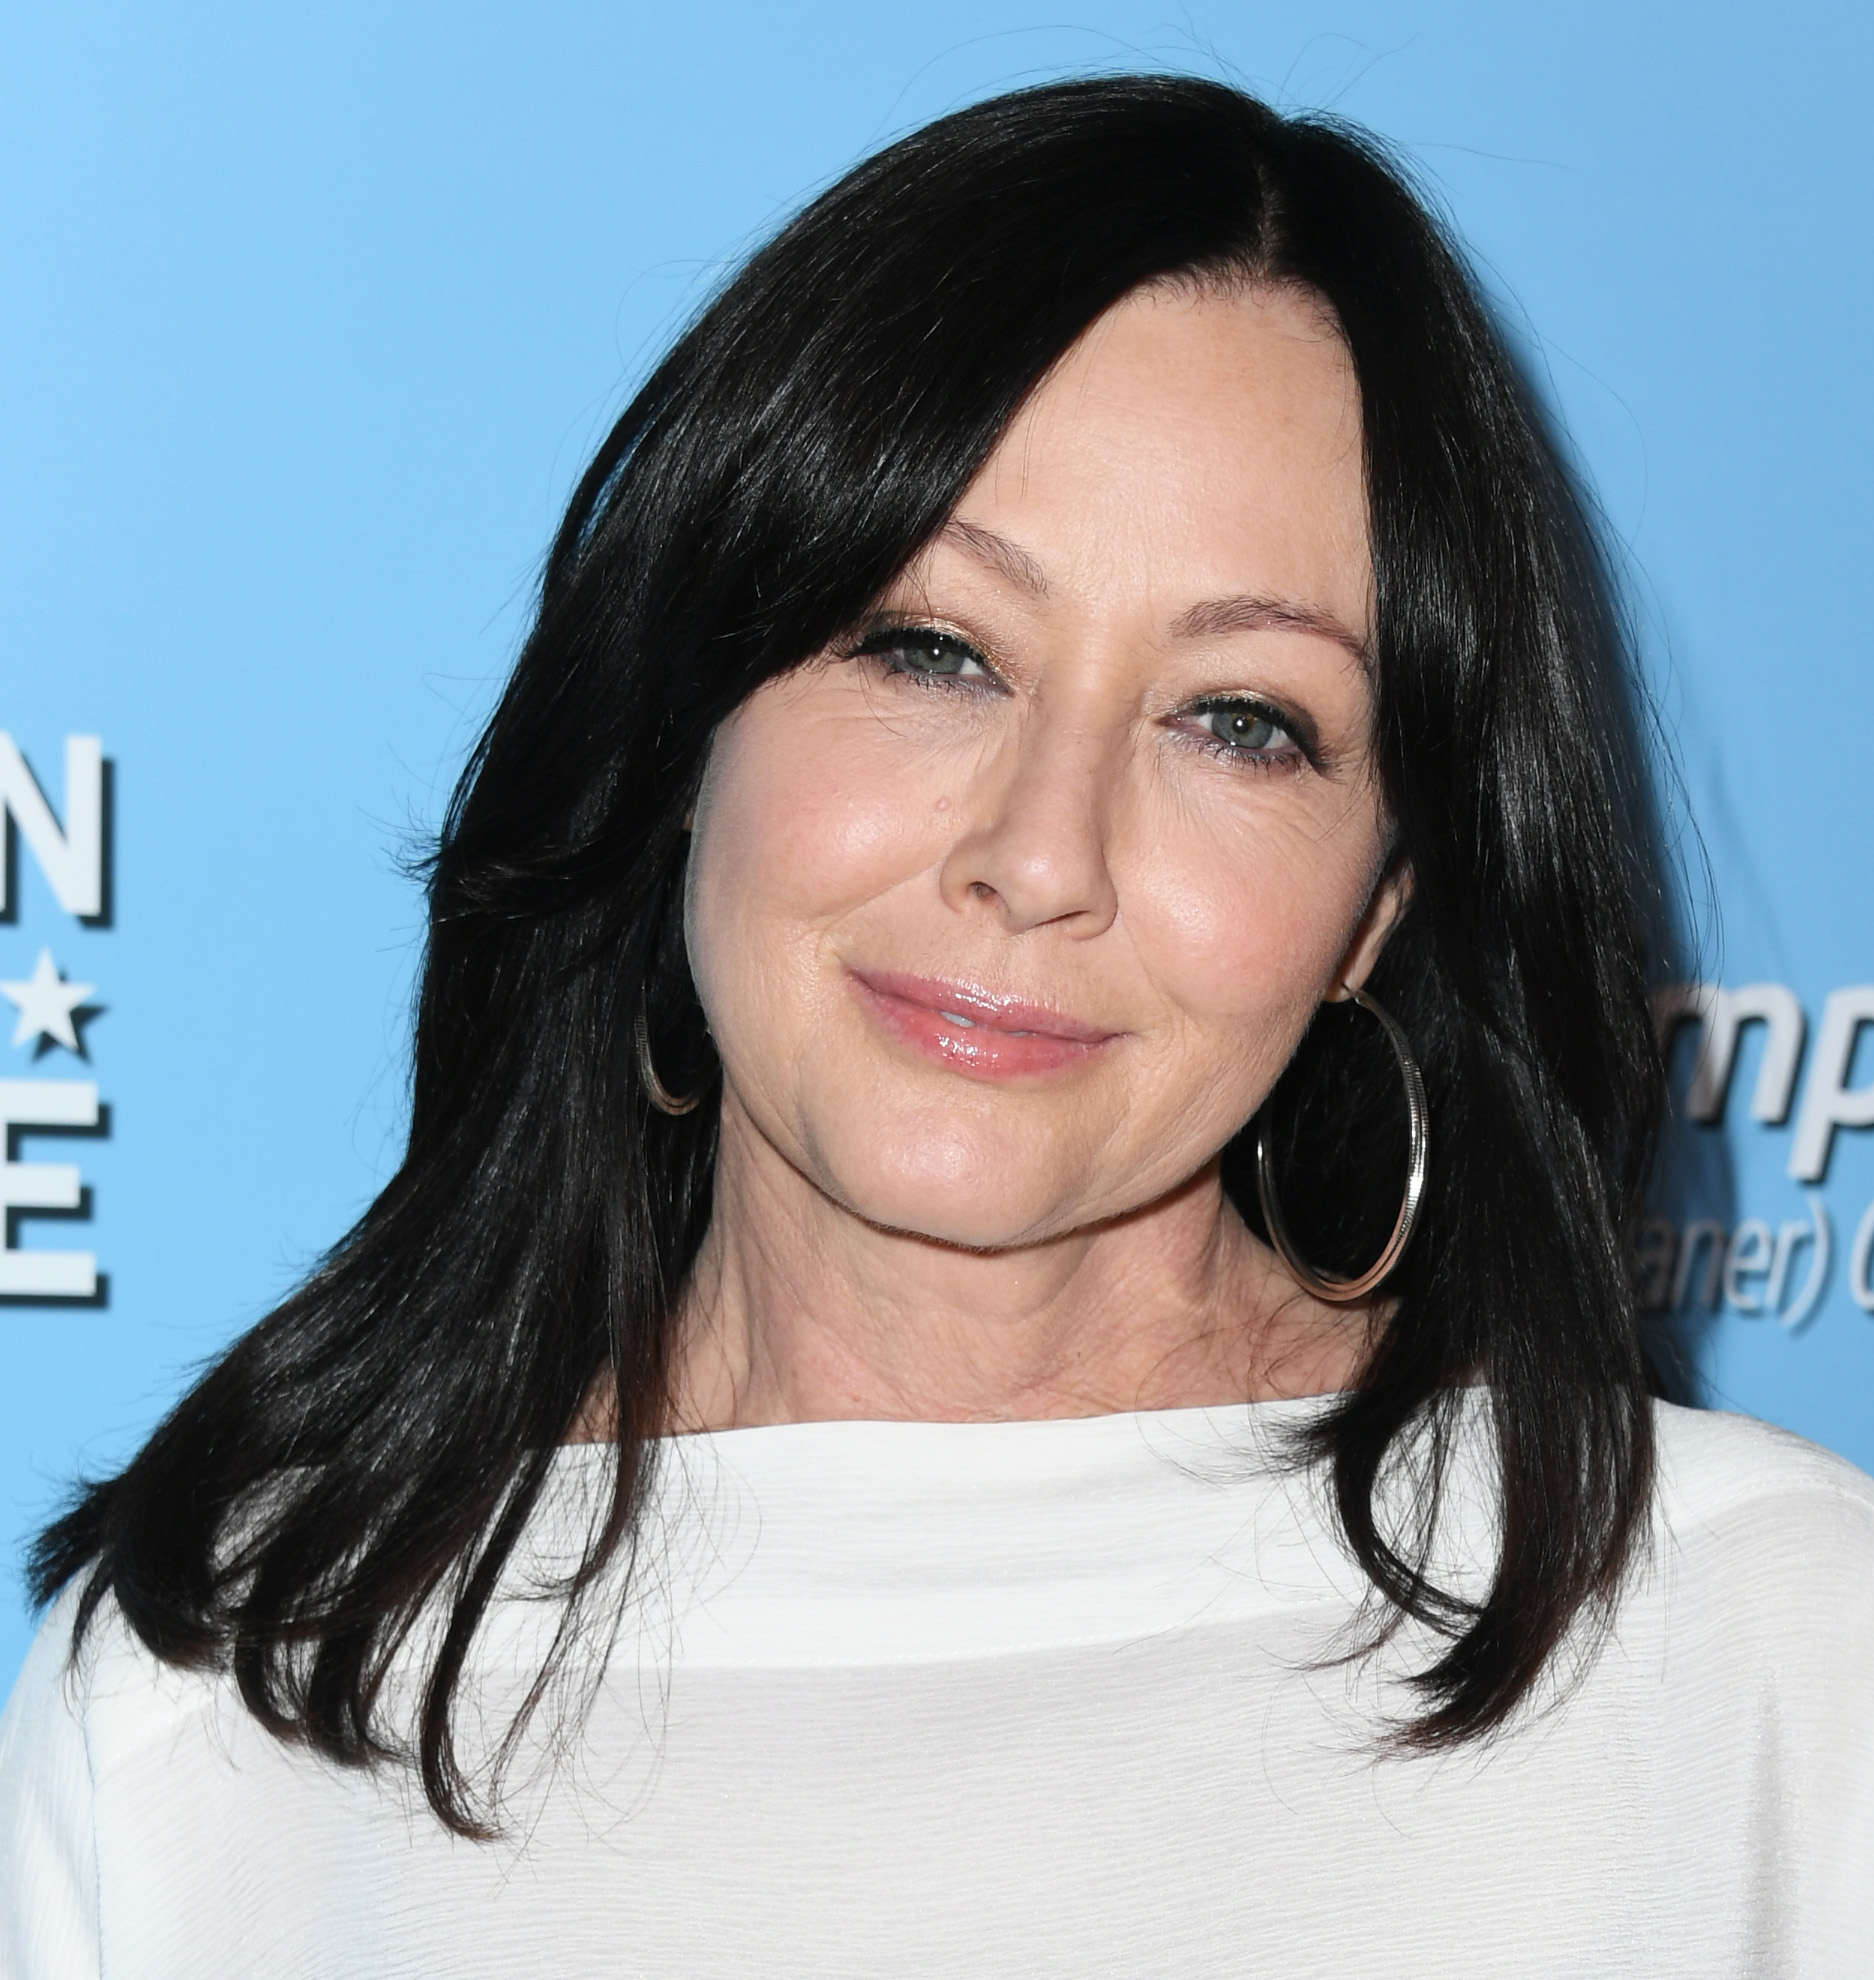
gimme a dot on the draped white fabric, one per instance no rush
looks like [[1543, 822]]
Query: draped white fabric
[[1022, 1699]]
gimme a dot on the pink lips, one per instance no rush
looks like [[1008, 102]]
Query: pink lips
[[971, 1031]]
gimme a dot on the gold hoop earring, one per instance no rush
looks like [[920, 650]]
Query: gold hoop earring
[[1339, 1291], [659, 1095]]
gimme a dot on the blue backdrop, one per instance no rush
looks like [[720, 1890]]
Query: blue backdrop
[[312, 315]]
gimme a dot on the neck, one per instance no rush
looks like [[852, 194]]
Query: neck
[[800, 1311]]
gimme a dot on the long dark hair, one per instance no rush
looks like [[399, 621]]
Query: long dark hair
[[369, 1454]]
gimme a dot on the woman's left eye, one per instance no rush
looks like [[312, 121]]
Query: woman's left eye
[[1244, 729]]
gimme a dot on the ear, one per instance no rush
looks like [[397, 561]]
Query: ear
[[1389, 900]]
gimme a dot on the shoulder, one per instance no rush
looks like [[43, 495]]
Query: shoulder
[[48, 1849], [1715, 1467], [90, 1702], [1760, 1613], [43, 1721], [1772, 1533], [115, 1771]]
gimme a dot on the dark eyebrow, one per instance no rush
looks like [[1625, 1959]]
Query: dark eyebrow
[[1251, 613], [1247, 613], [1010, 559]]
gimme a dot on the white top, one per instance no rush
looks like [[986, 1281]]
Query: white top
[[1024, 1700]]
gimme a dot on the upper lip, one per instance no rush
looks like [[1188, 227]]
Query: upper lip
[[984, 1007]]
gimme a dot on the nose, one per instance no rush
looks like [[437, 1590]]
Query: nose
[[1037, 852]]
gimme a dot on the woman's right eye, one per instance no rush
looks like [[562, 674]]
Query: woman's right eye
[[926, 654]]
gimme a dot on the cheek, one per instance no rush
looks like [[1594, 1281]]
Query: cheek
[[1243, 940], [802, 819]]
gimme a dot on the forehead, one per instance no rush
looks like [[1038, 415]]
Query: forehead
[[1192, 443]]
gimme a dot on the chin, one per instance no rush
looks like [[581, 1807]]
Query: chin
[[962, 1188]]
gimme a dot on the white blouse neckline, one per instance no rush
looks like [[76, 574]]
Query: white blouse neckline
[[858, 1540]]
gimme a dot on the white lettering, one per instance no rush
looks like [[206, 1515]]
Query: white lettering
[[1749, 1257], [1818, 1265], [1775, 1007], [1701, 1232], [1722, 1016], [73, 859], [44, 1103], [1828, 1102], [1788, 1239], [1861, 1262]]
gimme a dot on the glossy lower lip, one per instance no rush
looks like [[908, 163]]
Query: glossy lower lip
[[973, 1032]]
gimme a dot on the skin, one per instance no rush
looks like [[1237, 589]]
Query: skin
[[1043, 805]]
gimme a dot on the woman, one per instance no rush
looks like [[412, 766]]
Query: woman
[[1003, 1344]]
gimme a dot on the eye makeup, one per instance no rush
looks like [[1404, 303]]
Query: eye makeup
[[1254, 730], [1249, 729], [924, 652]]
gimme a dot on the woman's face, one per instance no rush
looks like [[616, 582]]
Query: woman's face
[[1007, 913]]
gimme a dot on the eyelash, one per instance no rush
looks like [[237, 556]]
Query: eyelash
[[882, 644], [1296, 747]]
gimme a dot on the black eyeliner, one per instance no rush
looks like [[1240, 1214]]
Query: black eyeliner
[[882, 638], [1307, 737]]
